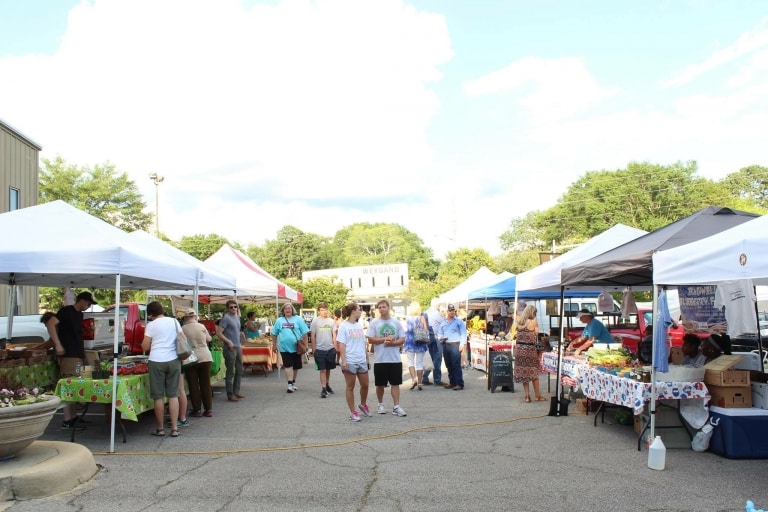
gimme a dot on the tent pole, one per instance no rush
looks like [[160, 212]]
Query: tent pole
[[759, 336], [653, 368], [114, 366], [11, 307], [560, 347]]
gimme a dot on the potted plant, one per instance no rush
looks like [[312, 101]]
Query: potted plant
[[24, 415]]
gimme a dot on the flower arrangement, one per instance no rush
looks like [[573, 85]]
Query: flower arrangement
[[14, 393]]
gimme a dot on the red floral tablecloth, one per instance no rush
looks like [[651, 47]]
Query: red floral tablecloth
[[258, 354], [609, 388]]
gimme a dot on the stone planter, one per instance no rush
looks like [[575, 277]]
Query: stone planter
[[20, 425]]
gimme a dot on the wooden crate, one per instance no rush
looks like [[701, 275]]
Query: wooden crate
[[12, 363]]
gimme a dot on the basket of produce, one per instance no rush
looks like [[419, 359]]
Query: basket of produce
[[608, 357]]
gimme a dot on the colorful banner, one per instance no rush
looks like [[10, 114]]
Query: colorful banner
[[697, 309]]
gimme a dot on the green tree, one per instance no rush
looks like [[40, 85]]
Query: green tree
[[382, 243], [293, 252], [750, 183], [644, 195], [202, 247], [101, 191], [323, 289]]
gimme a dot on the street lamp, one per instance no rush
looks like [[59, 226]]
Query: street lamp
[[157, 180]]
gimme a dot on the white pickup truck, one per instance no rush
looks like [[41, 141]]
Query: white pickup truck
[[98, 330]]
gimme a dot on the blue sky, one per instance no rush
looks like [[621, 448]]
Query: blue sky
[[448, 117]]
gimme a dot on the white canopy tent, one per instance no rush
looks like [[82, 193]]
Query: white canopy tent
[[252, 283], [55, 244], [482, 277], [736, 253]]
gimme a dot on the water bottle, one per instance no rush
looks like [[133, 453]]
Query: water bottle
[[78, 366], [657, 454]]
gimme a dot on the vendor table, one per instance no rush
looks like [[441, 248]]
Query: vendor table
[[132, 398], [254, 354], [570, 365], [607, 388], [43, 375]]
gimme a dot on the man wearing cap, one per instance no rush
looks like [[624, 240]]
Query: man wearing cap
[[67, 337], [594, 332], [452, 333]]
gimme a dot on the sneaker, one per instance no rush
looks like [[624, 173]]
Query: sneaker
[[208, 414], [399, 411], [293, 387], [290, 389], [323, 393], [197, 414], [182, 423], [329, 390], [353, 416], [365, 410], [71, 425], [381, 409]]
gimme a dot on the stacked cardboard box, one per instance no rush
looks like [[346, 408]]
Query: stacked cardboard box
[[728, 387]]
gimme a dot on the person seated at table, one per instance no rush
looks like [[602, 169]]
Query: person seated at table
[[594, 332], [693, 357]]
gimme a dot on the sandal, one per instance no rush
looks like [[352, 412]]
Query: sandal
[[174, 433], [414, 385], [420, 388], [541, 399], [527, 399], [158, 432]]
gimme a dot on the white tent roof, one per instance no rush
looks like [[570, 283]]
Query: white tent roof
[[546, 277], [55, 244], [736, 253], [208, 277], [482, 277]]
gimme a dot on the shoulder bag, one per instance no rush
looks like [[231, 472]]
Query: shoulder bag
[[420, 333], [301, 344], [183, 348]]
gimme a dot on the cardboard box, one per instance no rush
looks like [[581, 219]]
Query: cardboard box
[[760, 395], [92, 357], [676, 355], [719, 373], [730, 396], [639, 423], [740, 433]]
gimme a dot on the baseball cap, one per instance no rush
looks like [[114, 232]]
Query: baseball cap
[[85, 296], [451, 307]]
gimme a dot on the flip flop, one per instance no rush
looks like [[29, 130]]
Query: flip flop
[[541, 399], [158, 432], [174, 433]]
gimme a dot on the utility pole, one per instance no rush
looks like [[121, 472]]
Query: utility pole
[[157, 180]]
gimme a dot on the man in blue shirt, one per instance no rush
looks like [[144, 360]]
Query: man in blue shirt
[[452, 333], [434, 319], [594, 332]]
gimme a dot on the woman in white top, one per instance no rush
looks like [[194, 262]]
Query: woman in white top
[[354, 361], [164, 365]]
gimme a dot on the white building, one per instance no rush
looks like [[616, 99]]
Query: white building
[[368, 283]]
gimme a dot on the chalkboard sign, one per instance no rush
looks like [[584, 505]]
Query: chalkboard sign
[[308, 315], [500, 370]]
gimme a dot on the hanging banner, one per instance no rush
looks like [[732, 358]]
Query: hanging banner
[[698, 312]]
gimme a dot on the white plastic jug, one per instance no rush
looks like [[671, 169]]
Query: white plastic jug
[[657, 454]]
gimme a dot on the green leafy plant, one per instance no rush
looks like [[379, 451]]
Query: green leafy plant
[[13, 393]]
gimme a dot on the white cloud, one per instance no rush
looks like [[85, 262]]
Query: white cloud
[[749, 42], [561, 87], [306, 100]]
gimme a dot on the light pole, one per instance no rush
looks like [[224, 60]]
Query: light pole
[[157, 180]]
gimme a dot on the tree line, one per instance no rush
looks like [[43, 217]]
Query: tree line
[[642, 195]]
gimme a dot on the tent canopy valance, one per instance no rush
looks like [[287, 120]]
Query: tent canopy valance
[[631, 263], [55, 244]]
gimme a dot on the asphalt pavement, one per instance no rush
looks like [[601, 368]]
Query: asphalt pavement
[[455, 450]]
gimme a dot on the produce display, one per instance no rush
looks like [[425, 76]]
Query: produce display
[[608, 357], [125, 367]]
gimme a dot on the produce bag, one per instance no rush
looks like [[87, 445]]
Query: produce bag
[[218, 357]]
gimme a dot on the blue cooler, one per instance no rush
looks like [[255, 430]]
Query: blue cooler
[[741, 433]]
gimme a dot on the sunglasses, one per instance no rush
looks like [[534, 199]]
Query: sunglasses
[[232, 307]]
